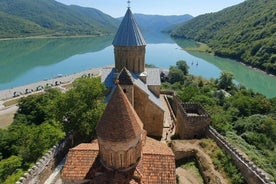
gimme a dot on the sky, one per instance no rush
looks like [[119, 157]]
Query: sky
[[117, 8]]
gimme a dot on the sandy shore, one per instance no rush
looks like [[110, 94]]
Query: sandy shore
[[33, 87]]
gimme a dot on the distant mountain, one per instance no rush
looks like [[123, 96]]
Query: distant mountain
[[36, 17], [13, 26], [245, 32], [158, 23]]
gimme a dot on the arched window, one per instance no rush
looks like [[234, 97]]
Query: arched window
[[121, 160], [111, 159]]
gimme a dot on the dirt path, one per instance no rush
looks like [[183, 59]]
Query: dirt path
[[191, 148], [6, 116], [187, 177]]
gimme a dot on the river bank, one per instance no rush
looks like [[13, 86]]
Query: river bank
[[204, 48], [53, 36], [39, 86]]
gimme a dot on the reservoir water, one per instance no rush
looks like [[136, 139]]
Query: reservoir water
[[24, 61]]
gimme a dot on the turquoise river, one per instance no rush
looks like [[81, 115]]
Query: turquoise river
[[24, 61]]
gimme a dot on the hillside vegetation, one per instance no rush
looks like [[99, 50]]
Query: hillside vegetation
[[246, 119], [40, 17], [245, 32]]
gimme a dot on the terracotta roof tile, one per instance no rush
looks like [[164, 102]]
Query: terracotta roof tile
[[158, 163], [119, 121], [156, 166], [156, 148], [79, 161]]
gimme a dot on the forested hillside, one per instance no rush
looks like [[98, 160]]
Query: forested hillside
[[245, 32], [29, 18]]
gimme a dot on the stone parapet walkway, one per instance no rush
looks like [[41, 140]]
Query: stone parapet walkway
[[168, 123]]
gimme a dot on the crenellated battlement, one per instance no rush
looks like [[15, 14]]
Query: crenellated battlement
[[46, 165], [249, 170], [192, 119]]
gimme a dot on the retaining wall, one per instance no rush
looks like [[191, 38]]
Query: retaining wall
[[46, 165], [249, 170]]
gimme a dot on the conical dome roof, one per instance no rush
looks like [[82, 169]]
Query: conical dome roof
[[129, 33], [119, 121]]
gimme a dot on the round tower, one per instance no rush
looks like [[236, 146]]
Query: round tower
[[129, 46], [119, 134]]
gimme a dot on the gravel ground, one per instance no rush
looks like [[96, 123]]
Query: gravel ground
[[10, 93]]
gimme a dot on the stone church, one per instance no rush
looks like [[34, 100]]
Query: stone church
[[141, 85], [123, 153]]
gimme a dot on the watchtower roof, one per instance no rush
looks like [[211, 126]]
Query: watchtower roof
[[129, 33], [119, 121]]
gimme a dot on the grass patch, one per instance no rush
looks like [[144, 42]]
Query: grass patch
[[11, 102], [67, 86], [191, 166], [222, 161], [262, 158], [200, 47]]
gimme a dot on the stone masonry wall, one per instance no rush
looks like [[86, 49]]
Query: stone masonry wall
[[45, 166], [133, 58], [249, 170], [190, 125], [150, 114]]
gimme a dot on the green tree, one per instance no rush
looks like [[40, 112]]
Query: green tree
[[80, 108], [31, 141], [183, 66], [225, 81], [35, 109], [14, 177], [9, 166], [175, 75], [258, 130], [187, 93]]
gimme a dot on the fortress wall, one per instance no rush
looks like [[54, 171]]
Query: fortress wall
[[190, 125], [249, 170], [195, 107], [44, 167]]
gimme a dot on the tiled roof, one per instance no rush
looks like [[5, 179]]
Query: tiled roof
[[79, 161], [129, 33], [157, 165], [119, 121], [153, 147], [125, 77]]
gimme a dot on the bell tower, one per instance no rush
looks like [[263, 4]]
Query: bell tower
[[129, 45]]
